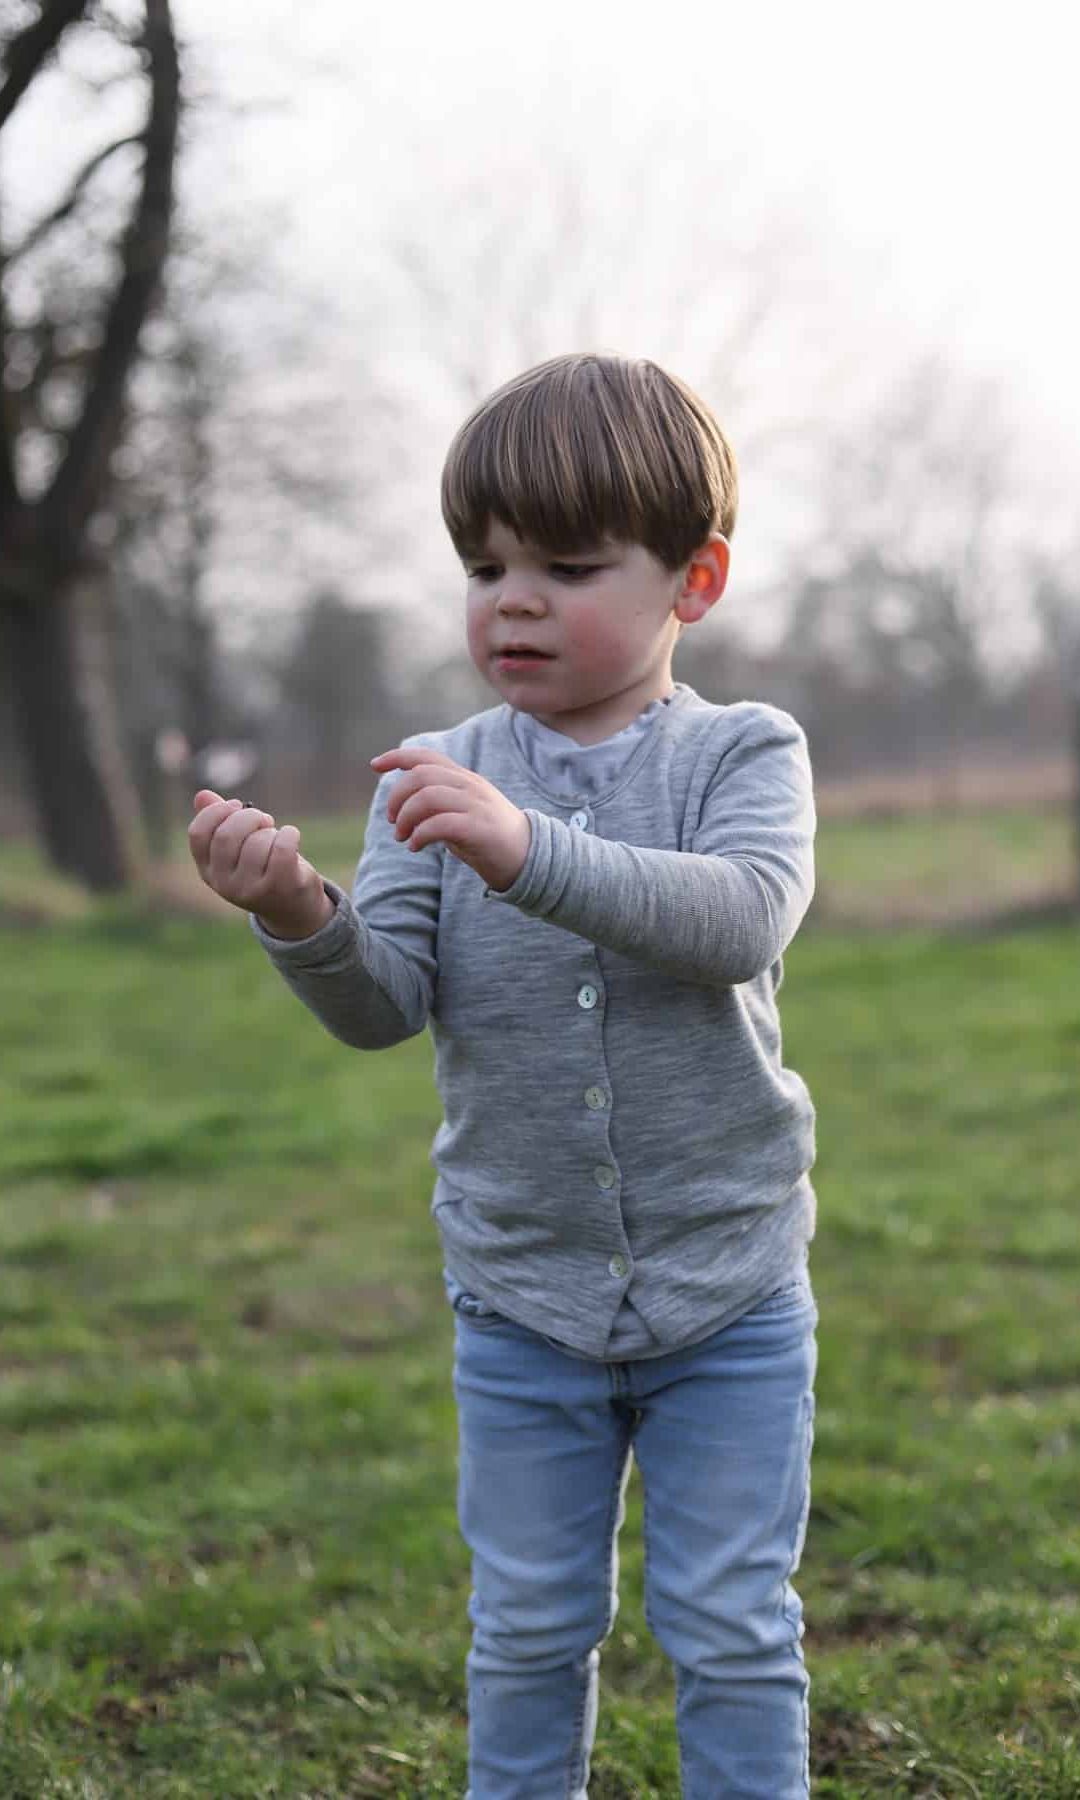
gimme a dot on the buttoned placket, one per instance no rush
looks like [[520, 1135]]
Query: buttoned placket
[[597, 1098]]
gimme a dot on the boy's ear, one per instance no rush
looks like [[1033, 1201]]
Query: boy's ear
[[705, 579]]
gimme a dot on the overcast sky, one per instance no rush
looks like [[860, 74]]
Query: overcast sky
[[930, 150], [942, 136], [926, 154]]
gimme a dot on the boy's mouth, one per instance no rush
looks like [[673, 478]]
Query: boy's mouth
[[510, 654]]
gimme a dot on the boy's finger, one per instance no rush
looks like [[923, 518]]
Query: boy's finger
[[285, 853], [213, 811], [450, 776], [231, 832], [285, 856], [400, 792], [403, 758], [425, 802], [205, 824], [256, 849], [285, 862], [218, 807]]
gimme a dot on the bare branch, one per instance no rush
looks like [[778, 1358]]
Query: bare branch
[[1057, 603], [41, 338], [81, 476], [67, 206], [9, 490], [99, 85], [28, 50]]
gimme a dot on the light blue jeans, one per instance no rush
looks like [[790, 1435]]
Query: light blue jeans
[[722, 1434]]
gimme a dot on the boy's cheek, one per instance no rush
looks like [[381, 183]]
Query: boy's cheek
[[590, 643], [476, 636]]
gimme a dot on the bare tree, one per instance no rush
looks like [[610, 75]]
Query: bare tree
[[66, 379], [530, 270], [337, 698], [164, 662], [913, 584], [1056, 591]]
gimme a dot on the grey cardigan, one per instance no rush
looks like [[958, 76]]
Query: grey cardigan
[[618, 1121]]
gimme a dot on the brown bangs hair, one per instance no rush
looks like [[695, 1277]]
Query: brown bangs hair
[[586, 448]]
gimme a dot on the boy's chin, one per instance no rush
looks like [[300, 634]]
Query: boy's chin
[[522, 688]]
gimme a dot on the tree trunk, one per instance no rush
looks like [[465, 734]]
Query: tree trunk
[[52, 627], [59, 720], [1075, 698]]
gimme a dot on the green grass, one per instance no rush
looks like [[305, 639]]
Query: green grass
[[229, 1557], [924, 868], [929, 867], [910, 868]]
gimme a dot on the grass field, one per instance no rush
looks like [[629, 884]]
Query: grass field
[[919, 867], [229, 1557]]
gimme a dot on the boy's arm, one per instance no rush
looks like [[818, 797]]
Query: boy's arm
[[368, 973], [720, 912]]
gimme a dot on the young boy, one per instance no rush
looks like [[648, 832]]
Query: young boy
[[585, 891]]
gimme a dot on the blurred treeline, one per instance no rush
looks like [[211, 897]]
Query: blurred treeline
[[927, 618], [301, 737]]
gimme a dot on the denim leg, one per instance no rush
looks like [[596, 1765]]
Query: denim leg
[[724, 1447], [544, 1456]]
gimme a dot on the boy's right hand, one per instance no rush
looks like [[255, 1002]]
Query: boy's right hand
[[244, 858]]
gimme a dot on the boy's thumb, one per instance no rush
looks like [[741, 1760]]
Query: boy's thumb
[[206, 797]]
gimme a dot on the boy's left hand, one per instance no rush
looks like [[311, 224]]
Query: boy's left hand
[[439, 801]]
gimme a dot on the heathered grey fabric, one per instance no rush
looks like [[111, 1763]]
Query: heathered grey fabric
[[575, 772], [579, 771], [617, 1116]]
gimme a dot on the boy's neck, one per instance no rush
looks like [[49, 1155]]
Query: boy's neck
[[592, 725]]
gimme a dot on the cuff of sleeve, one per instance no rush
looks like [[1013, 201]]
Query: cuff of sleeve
[[322, 945], [532, 888]]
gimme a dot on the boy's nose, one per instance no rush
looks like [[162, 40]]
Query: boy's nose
[[517, 591]]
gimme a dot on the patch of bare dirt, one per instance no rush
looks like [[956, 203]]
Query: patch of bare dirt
[[1031, 909], [842, 1743], [861, 1625], [359, 1318], [981, 785], [176, 888]]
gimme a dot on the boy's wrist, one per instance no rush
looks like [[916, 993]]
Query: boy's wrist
[[300, 925]]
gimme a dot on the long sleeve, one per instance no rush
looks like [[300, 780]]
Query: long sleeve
[[369, 973], [722, 911]]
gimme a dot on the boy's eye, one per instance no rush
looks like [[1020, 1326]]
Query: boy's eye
[[563, 571], [575, 571]]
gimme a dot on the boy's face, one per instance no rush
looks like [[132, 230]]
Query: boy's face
[[607, 620]]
